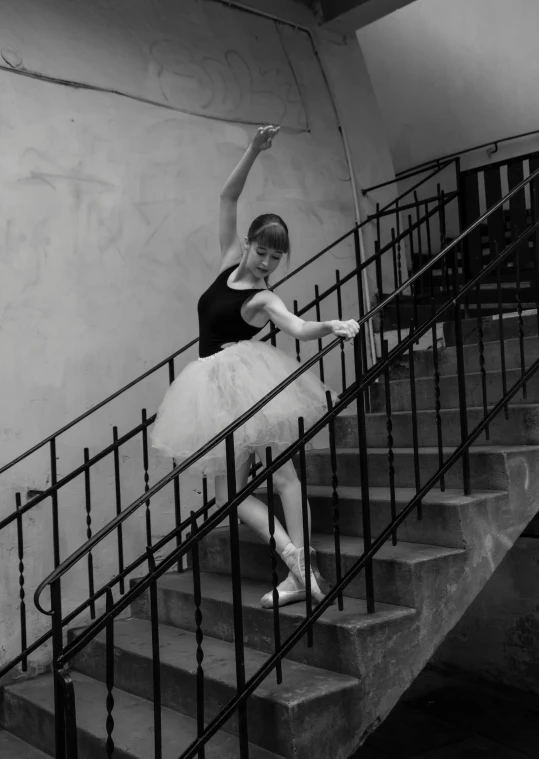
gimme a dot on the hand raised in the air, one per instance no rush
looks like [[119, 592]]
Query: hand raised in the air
[[264, 136]]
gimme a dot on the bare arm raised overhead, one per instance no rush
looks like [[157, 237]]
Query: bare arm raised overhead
[[228, 232]]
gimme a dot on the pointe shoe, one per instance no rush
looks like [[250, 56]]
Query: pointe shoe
[[295, 561], [290, 591]]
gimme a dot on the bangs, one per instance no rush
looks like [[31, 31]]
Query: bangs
[[273, 237]]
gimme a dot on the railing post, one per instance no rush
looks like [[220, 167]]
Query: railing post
[[57, 650]]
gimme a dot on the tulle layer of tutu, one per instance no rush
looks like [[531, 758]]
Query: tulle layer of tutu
[[209, 394]]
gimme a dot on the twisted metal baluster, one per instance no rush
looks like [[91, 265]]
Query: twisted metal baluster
[[437, 402], [298, 346], [22, 594], [339, 316], [482, 369], [146, 476], [390, 454], [88, 501], [335, 499], [199, 635], [274, 576], [109, 673]]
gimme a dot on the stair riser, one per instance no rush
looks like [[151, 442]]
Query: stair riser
[[488, 470], [447, 359], [35, 725], [449, 393], [522, 428], [491, 333], [337, 648], [441, 524], [272, 725], [395, 582]]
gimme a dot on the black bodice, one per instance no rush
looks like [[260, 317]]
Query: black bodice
[[219, 315]]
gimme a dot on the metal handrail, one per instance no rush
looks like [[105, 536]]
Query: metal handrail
[[107, 529]]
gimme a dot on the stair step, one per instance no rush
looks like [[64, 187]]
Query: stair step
[[470, 332], [310, 713], [446, 514], [12, 747], [447, 358], [344, 641], [521, 428], [31, 703], [449, 391], [489, 467], [400, 572]]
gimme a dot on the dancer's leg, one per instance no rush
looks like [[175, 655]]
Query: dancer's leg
[[287, 484], [252, 511]]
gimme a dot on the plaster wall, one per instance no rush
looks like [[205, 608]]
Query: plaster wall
[[449, 76], [110, 196], [497, 638]]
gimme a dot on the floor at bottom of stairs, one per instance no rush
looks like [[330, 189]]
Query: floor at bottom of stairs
[[444, 716]]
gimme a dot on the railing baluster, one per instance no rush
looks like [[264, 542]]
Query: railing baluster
[[145, 461], [379, 284], [54, 500], [335, 498], [482, 358], [520, 319], [421, 281], [501, 337], [399, 255], [306, 539], [156, 659], [273, 338], [415, 268], [205, 498], [109, 672], [461, 377], [339, 316], [236, 597], [199, 635], [364, 471], [319, 318], [88, 500], [176, 481], [437, 403], [415, 435], [298, 343], [396, 280], [390, 454], [361, 302], [118, 492], [22, 605], [274, 576]]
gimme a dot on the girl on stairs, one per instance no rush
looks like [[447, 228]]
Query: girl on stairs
[[235, 371]]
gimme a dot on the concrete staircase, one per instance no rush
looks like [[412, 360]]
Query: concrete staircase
[[335, 693]]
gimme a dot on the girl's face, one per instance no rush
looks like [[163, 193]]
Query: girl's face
[[261, 261]]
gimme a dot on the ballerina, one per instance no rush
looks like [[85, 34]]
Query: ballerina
[[234, 371]]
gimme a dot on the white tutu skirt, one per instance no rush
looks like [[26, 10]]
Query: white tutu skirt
[[211, 393]]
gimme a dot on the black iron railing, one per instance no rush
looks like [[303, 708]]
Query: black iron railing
[[393, 252], [360, 395]]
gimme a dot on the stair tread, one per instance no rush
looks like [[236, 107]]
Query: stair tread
[[435, 496], [475, 450], [352, 546], [445, 377], [133, 720], [178, 647], [533, 406], [218, 587], [12, 747]]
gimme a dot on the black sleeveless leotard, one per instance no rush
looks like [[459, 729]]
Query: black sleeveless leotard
[[219, 315]]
